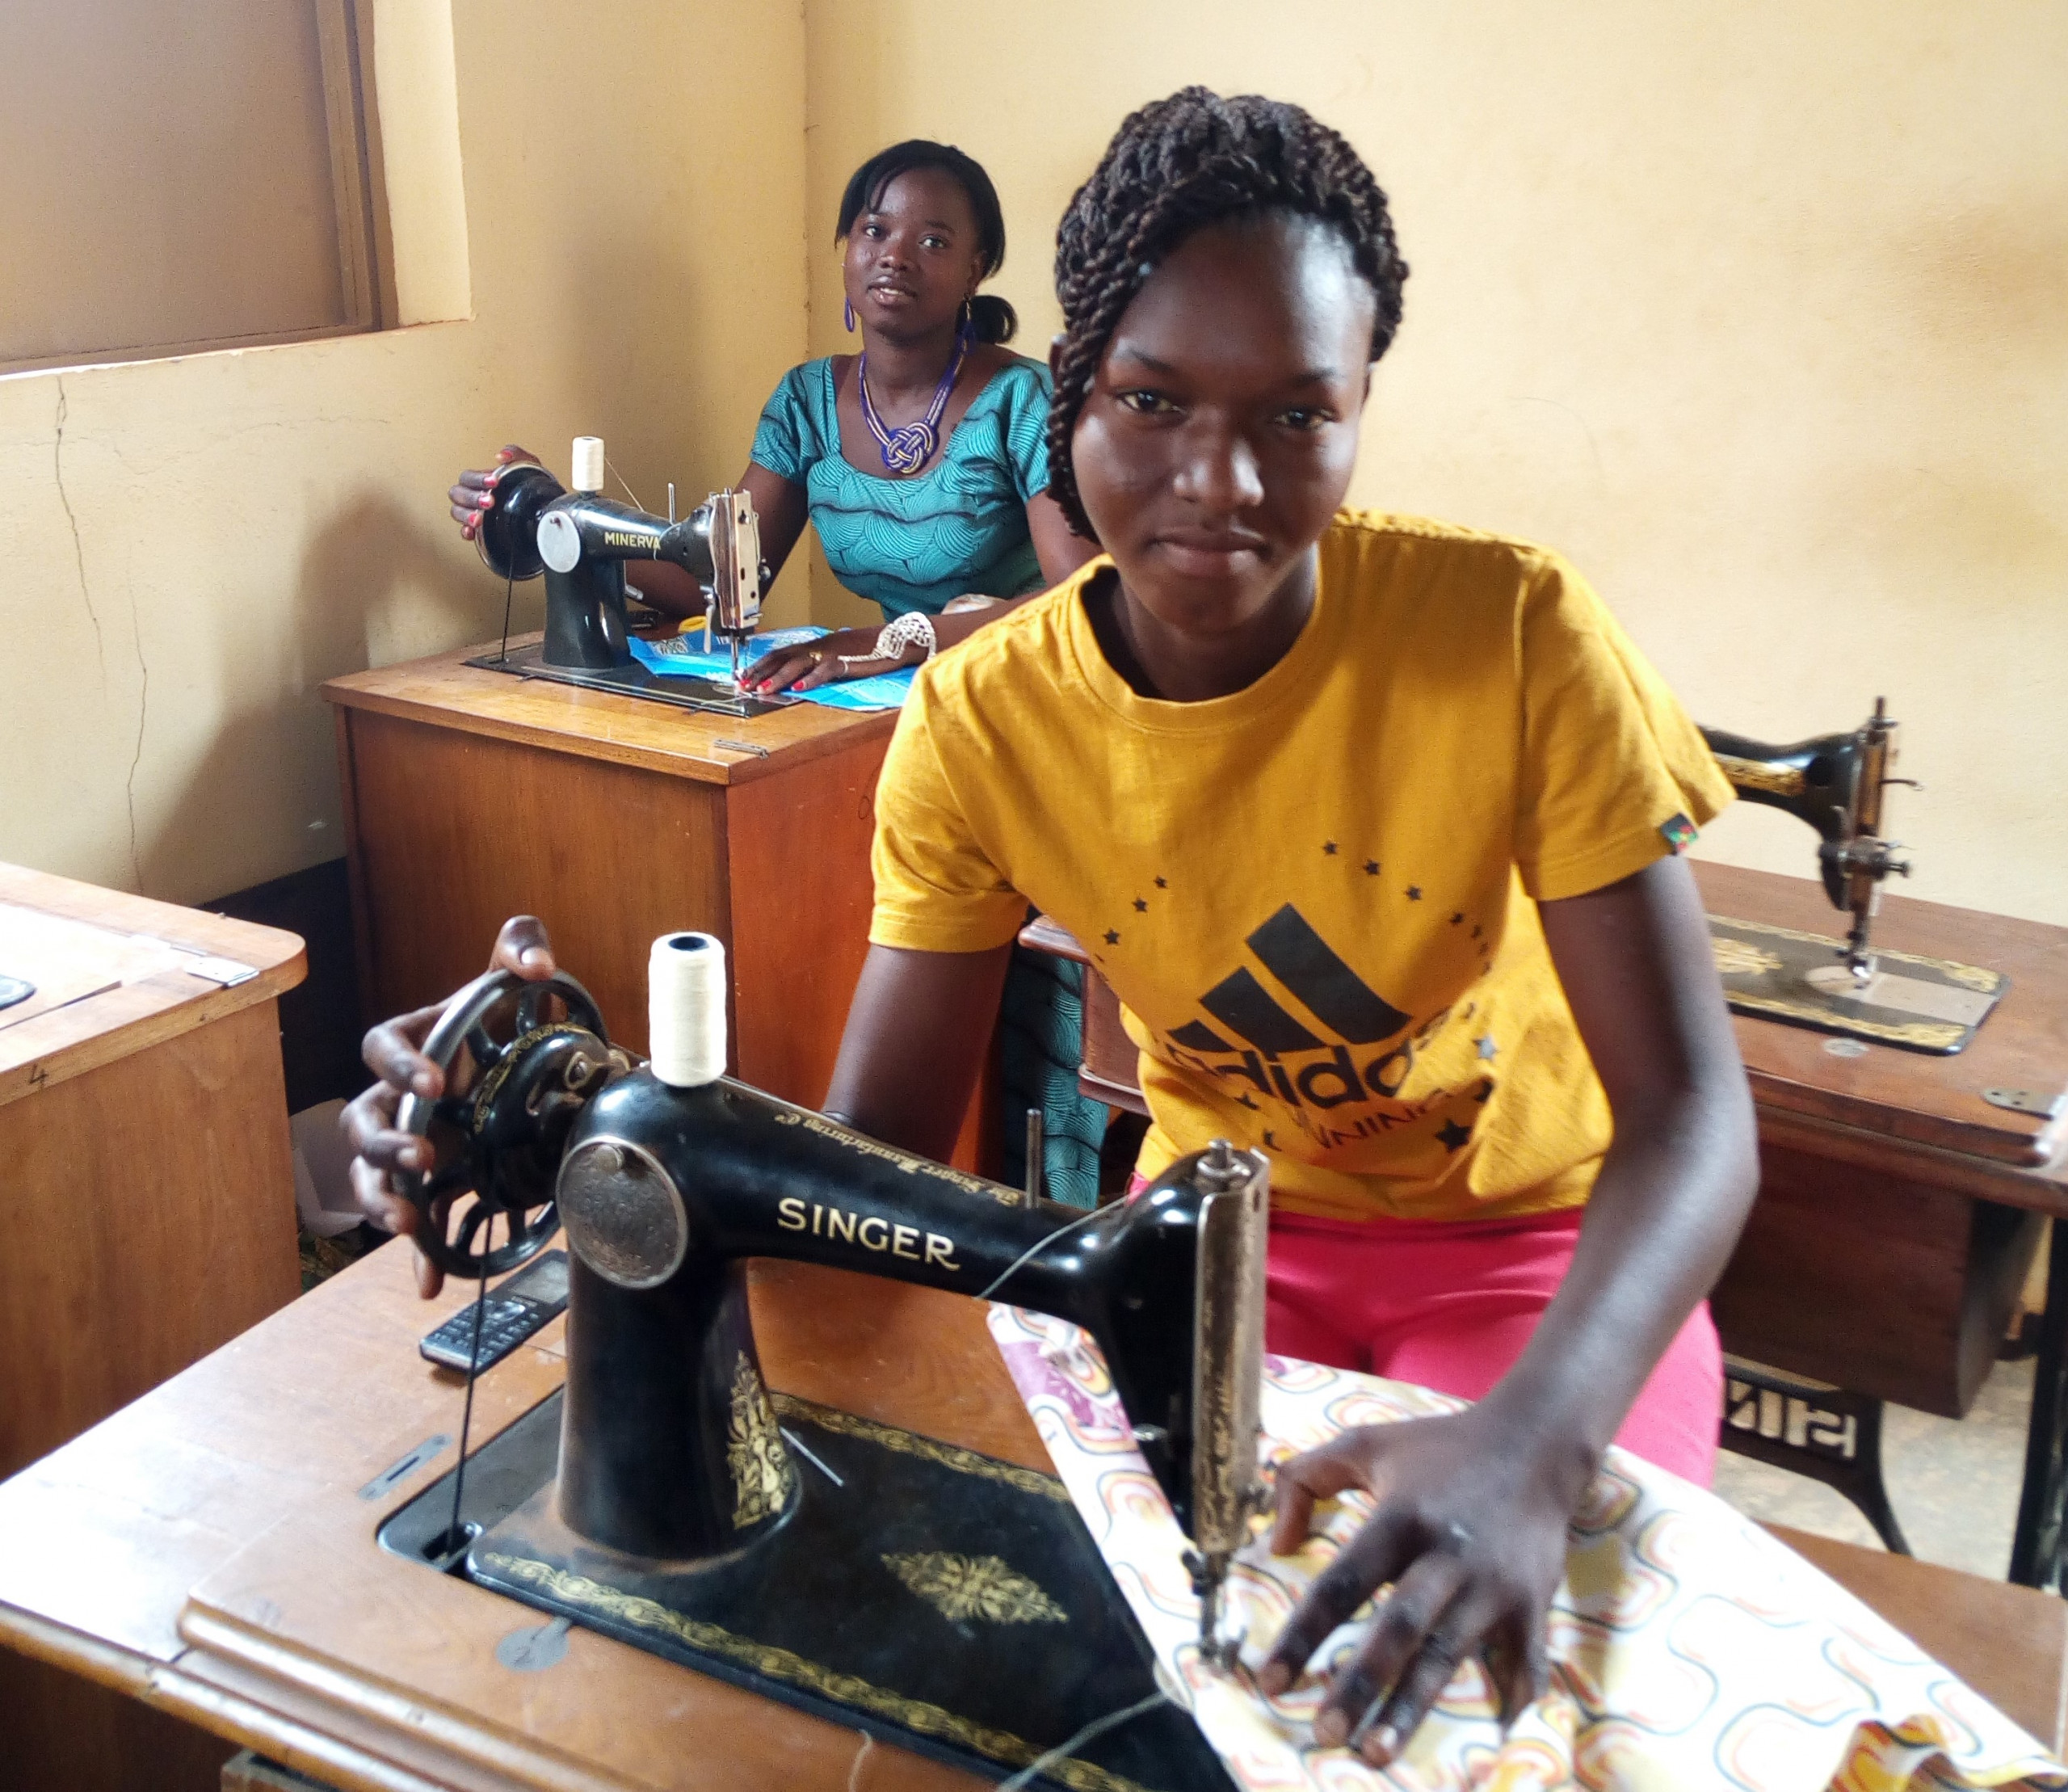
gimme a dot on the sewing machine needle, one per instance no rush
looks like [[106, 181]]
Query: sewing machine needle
[[797, 1443]]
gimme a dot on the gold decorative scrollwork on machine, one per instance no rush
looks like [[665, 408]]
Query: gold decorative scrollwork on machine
[[629, 1609], [753, 1451], [1741, 958], [1774, 780], [950, 1456], [983, 1586]]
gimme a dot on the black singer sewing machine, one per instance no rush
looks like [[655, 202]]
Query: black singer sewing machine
[[581, 540], [668, 1499], [1834, 783]]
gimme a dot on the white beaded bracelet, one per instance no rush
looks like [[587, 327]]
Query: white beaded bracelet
[[913, 629]]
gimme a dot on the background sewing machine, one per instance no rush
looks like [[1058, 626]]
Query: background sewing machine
[[667, 1498], [581, 540], [1834, 783]]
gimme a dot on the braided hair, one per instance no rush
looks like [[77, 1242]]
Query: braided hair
[[1174, 167], [992, 318]]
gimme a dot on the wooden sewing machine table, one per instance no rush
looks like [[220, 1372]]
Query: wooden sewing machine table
[[471, 796], [226, 1505], [210, 1551], [143, 1148], [1899, 1207]]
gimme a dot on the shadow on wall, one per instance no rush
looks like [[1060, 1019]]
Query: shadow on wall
[[379, 581], [636, 361], [375, 573], [374, 579]]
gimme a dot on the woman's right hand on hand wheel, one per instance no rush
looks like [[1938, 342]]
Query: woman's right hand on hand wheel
[[393, 1053], [474, 493]]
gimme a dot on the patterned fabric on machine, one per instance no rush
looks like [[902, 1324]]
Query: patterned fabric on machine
[[1689, 1648]]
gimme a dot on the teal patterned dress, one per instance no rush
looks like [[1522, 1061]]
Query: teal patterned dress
[[960, 527], [918, 543]]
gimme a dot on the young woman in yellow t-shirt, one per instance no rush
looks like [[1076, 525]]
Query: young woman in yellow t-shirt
[[1373, 825]]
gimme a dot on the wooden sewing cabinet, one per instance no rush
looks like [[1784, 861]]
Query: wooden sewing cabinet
[[471, 796], [143, 1148]]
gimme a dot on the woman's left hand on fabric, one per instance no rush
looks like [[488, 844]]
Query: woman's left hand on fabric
[[845, 653], [1469, 1531]]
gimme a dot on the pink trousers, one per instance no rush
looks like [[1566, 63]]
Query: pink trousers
[[1449, 1304]]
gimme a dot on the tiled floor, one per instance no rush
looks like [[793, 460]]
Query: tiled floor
[[1954, 1482]]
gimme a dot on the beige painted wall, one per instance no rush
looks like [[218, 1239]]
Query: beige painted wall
[[1756, 312], [188, 548], [1760, 312]]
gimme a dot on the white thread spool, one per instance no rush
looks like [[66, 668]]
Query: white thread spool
[[686, 1009], [588, 463]]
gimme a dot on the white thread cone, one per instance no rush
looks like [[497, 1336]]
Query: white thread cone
[[686, 1009]]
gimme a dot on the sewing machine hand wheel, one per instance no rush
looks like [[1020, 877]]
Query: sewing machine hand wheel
[[528, 1086]]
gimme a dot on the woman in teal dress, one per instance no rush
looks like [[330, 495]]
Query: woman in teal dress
[[922, 461]]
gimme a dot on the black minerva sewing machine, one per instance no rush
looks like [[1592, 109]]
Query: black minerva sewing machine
[[1834, 783], [952, 1603], [581, 540]]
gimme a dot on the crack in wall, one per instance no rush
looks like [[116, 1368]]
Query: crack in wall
[[100, 643], [78, 550], [137, 756]]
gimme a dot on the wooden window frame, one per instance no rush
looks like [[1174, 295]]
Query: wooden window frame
[[359, 197]]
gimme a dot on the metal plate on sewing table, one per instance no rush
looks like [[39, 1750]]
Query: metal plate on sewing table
[[1920, 1004], [710, 695], [948, 1602]]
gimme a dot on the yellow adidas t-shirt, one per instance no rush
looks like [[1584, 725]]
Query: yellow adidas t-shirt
[[1313, 897]]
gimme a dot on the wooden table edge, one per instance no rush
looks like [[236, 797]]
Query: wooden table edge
[[270, 951], [164, 1686], [28, 1065], [1779, 1095], [1828, 1555], [76, 1651], [2039, 1188], [257, 1673], [348, 693], [283, 1720], [76, 1037]]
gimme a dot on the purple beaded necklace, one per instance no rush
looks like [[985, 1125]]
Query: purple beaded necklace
[[910, 446]]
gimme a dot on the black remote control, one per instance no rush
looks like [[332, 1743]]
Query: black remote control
[[529, 1299]]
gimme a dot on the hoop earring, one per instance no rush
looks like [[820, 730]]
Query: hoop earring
[[847, 310]]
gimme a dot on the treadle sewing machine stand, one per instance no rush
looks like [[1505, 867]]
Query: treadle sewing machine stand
[[1810, 1429], [1918, 1004], [953, 1603]]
